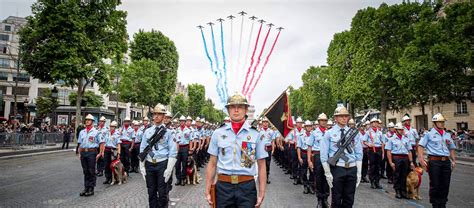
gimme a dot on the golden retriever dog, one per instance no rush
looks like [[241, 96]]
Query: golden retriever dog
[[414, 183]]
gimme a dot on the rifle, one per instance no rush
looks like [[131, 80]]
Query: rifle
[[155, 138], [346, 143]]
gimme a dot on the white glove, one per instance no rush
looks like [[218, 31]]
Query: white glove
[[359, 172], [327, 173], [169, 168], [142, 170]]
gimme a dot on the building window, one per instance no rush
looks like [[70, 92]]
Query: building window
[[22, 77], [393, 120], [463, 126], [4, 63], [3, 89], [461, 107], [22, 90], [4, 37], [3, 48], [3, 76], [8, 28]]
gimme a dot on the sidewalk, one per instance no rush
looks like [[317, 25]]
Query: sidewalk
[[31, 150]]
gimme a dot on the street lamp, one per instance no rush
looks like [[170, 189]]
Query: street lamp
[[54, 95]]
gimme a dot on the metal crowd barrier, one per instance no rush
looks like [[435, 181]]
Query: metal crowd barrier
[[466, 146], [29, 140]]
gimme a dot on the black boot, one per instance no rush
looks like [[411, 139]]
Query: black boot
[[390, 181], [83, 192], [372, 185], [311, 190], [306, 190], [365, 180], [90, 192], [398, 195], [178, 182], [101, 173], [183, 182], [295, 181], [404, 194], [107, 181], [383, 176], [268, 180]]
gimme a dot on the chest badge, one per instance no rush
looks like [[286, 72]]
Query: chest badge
[[249, 138], [224, 136]]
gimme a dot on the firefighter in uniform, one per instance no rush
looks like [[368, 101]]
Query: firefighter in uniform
[[344, 177], [102, 131], [183, 137], [90, 140], [314, 161], [112, 150], [374, 140], [137, 139], [267, 137], [302, 152], [365, 156], [159, 163], [292, 139], [236, 151], [399, 157], [412, 134], [441, 160], [127, 143], [391, 131]]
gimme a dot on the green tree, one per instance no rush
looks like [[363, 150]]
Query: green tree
[[316, 92], [296, 101], [46, 104], [196, 98], [68, 41], [91, 99], [153, 71], [179, 105]]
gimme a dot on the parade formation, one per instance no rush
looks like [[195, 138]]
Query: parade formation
[[328, 160]]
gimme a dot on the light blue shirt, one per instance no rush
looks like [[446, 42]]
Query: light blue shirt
[[165, 148], [374, 137], [412, 135], [90, 139], [303, 141], [102, 132], [112, 140], [315, 141], [329, 146], [266, 136], [275, 135], [183, 136], [437, 144], [387, 137], [397, 145], [126, 133], [137, 135], [237, 153], [294, 135]]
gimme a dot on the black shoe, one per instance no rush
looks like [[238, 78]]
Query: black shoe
[[108, 181], [306, 190], [390, 181], [320, 203], [378, 186], [295, 182], [404, 195], [90, 192], [288, 172], [178, 182], [372, 185], [365, 180], [299, 182], [183, 183], [100, 174], [268, 181], [292, 177], [398, 195], [383, 176], [83, 192], [311, 190]]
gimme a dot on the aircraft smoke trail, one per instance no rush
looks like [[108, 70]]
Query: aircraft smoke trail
[[248, 44], [264, 65], [212, 64], [240, 46], [251, 60], [226, 91], [258, 61], [216, 58]]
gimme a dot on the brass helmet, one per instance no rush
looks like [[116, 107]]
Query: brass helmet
[[308, 123], [322, 116], [438, 118], [406, 117], [237, 99], [127, 119], [113, 124], [159, 108], [168, 114], [341, 111], [182, 118], [351, 121], [299, 120], [146, 119], [374, 120], [391, 125], [265, 119], [102, 118]]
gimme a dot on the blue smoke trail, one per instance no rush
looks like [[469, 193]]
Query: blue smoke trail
[[225, 63], [215, 57], [212, 65]]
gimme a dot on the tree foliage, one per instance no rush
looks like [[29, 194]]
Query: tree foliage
[[68, 41], [46, 104], [196, 96], [90, 99], [179, 105]]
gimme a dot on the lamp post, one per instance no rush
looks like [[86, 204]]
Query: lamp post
[[54, 96]]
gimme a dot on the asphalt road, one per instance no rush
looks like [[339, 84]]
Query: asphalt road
[[55, 180]]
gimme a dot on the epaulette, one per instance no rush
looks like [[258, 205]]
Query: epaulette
[[254, 128], [223, 124]]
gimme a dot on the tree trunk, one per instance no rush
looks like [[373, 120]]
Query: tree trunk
[[383, 110], [80, 92]]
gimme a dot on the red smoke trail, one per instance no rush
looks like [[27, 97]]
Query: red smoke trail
[[258, 61], [264, 65], [251, 61]]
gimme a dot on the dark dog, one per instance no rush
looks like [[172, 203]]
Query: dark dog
[[118, 172], [191, 171]]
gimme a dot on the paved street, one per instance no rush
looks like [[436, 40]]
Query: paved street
[[55, 180]]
